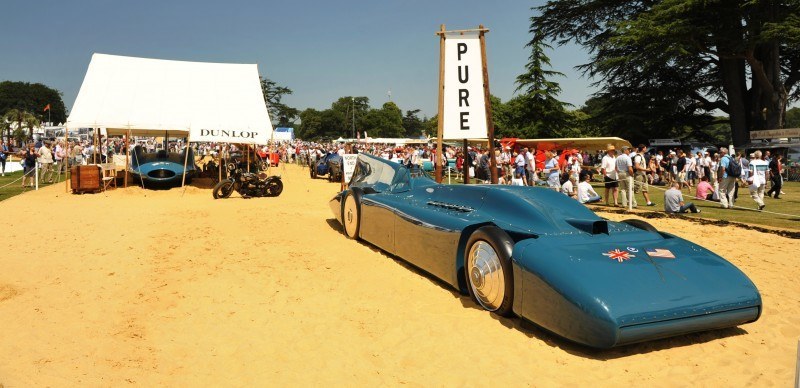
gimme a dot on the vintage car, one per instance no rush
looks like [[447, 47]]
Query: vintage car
[[330, 164], [161, 168], [545, 257]]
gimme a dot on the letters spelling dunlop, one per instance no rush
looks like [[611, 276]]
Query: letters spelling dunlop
[[228, 133]]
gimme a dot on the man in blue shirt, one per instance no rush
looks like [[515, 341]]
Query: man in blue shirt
[[727, 185]]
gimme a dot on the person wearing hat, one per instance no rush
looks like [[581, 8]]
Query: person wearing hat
[[609, 170], [624, 166], [757, 178]]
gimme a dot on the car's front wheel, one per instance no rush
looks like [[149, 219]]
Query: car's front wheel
[[351, 214], [487, 268]]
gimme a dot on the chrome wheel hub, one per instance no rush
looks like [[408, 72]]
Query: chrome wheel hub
[[350, 216], [486, 278]]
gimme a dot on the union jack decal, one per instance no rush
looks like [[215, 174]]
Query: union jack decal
[[619, 255]]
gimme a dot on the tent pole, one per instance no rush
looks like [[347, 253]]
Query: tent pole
[[248, 158], [185, 161], [127, 155], [65, 160]]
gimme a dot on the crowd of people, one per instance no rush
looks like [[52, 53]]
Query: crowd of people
[[712, 176]]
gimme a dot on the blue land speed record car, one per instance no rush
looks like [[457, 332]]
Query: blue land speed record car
[[545, 257]]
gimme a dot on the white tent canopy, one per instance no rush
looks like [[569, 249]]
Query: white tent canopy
[[217, 102]]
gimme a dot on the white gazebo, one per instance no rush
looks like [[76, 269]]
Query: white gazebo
[[214, 102]]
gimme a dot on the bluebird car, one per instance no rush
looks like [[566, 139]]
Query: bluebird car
[[538, 254], [161, 168], [330, 164]]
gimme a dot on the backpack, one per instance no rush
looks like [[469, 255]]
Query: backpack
[[734, 168]]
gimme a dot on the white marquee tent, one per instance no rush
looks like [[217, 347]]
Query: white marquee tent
[[218, 102]]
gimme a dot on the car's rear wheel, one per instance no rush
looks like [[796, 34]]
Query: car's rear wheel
[[487, 268], [351, 214]]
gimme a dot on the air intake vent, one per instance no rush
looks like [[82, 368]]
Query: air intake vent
[[450, 206]]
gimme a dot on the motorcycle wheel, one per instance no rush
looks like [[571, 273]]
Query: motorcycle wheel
[[274, 188], [223, 189]]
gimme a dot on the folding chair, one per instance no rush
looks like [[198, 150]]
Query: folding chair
[[109, 175]]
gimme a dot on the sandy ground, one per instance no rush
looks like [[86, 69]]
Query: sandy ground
[[171, 289]]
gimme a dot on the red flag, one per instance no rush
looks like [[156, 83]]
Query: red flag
[[47, 108]]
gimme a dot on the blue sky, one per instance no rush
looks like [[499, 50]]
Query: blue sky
[[322, 50]]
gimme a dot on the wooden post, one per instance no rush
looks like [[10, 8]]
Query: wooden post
[[488, 103], [466, 165], [440, 120], [248, 158]]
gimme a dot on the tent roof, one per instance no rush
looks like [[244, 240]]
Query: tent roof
[[211, 101], [583, 143]]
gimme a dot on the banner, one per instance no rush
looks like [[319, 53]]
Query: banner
[[464, 106], [774, 133], [348, 166]]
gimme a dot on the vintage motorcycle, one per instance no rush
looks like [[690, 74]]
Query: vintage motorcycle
[[248, 184]]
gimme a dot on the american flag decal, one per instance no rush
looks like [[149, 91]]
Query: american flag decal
[[660, 253], [619, 255]]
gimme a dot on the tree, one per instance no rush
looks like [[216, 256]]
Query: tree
[[19, 120], [350, 108], [281, 114], [32, 98], [384, 122], [538, 106], [671, 64], [793, 118], [412, 124]]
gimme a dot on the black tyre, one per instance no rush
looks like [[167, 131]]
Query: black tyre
[[274, 187], [223, 189], [487, 268], [643, 225], [351, 214]]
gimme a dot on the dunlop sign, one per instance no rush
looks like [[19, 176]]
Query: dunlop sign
[[464, 106], [230, 136]]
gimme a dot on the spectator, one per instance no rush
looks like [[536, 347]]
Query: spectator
[[520, 165], [727, 184], [3, 156], [641, 171], [775, 169], [586, 193], [46, 159], [624, 167], [704, 190], [758, 179], [552, 170], [673, 201], [519, 179], [29, 164], [609, 170], [569, 188]]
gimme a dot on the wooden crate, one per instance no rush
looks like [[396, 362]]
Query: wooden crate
[[85, 179]]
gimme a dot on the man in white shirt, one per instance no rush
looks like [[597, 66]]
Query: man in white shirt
[[624, 167], [609, 170], [519, 167], [586, 193], [758, 178], [568, 188]]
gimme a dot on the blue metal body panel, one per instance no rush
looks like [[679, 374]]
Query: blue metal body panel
[[564, 279]]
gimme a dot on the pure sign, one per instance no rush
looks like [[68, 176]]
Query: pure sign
[[464, 105]]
